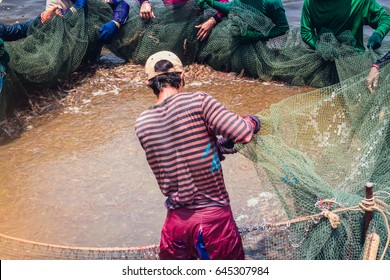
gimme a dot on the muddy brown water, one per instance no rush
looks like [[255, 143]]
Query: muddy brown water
[[80, 177]]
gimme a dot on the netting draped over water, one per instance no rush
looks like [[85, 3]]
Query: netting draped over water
[[326, 145], [55, 49], [316, 150]]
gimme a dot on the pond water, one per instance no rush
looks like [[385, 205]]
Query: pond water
[[81, 177]]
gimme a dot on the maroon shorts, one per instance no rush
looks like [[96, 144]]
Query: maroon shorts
[[219, 235]]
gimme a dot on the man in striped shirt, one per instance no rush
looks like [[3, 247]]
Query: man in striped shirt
[[179, 136]]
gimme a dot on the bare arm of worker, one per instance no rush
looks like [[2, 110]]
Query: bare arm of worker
[[146, 11], [205, 28], [372, 78]]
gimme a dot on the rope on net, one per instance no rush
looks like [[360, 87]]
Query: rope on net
[[90, 252], [151, 251], [366, 205]]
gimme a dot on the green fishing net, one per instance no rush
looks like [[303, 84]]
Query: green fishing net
[[55, 49], [326, 145]]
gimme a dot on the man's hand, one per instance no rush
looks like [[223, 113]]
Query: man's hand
[[205, 29], [146, 11], [225, 146], [107, 31], [375, 41], [372, 78], [49, 14], [255, 121]]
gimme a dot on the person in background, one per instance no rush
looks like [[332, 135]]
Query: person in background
[[4, 59], [273, 9], [338, 16], [179, 137], [205, 28], [373, 75], [61, 7], [108, 29], [16, 31]]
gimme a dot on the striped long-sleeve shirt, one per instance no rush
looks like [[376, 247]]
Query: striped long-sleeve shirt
[[179, 139]]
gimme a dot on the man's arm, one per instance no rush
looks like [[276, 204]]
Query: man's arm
[[307, 30], [277, 14], [228, 124], [221, 6], [383, 59], [16, 31], [60, 8], [279, 19], [206, 27], [373, 75], [378, 19], [108, 30], [121, 11], [219, 15]]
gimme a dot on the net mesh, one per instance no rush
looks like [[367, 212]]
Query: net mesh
[[316, 150], [55, 49], [326, 145]]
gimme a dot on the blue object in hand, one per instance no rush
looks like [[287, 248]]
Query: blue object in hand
[[80, 3], [375, 41], [107, 32]]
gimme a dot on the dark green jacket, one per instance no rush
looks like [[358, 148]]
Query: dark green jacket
[[275, 11], [342, 15]]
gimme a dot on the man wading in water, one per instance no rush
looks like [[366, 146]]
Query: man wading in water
[[178, 135]]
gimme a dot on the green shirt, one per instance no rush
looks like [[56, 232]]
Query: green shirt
[[272, 9], [275, 11], [341, 15]]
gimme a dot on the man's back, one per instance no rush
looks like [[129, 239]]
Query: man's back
[[178, 138]]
